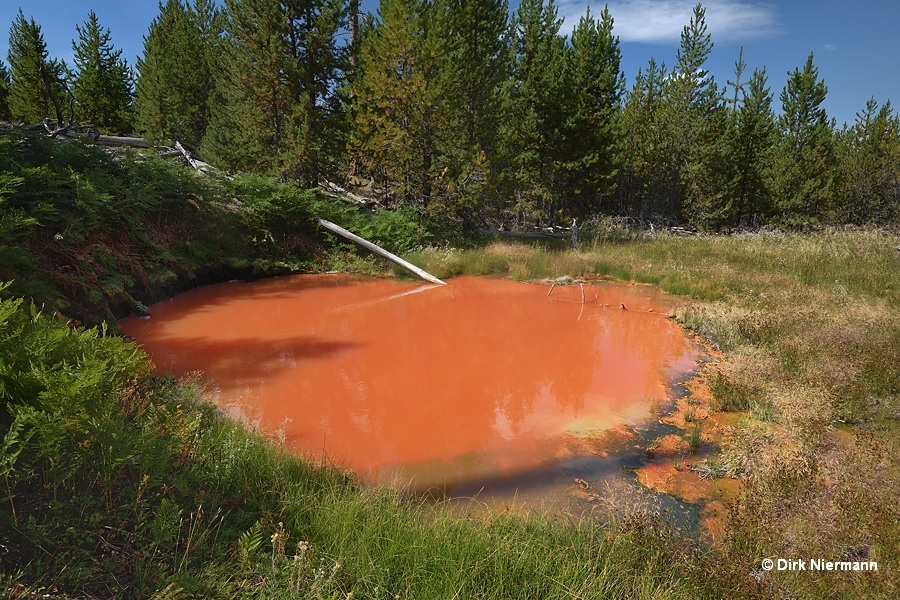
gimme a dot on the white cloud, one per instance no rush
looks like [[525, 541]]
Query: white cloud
[[663, 20], [830, 47]]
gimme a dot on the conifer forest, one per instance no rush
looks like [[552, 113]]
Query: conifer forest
[[465, 111]]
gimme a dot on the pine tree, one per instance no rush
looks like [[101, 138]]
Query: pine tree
[[102, 85], [248, 117], [752, 139], [35, 79], [871, 165], [648, 167], [478, 57], [698, 127], [595, 86], [276, 107], [804, 170], [737, 85], [534, 118], [400, 95], [315, 69], [5, 114], [691, 84], [176, 72]]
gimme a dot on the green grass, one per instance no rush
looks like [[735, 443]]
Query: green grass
[[121, 484], [695, 436], [690, 415], [811, 334], [116, 483]]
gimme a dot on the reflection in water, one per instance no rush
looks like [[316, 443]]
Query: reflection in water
[[452, 386]]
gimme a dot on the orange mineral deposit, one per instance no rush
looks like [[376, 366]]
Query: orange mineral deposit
[[430, 386]]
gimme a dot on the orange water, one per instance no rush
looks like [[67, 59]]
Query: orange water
[[448, 386]]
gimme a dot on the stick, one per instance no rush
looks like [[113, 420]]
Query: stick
[[582, 292], [553, 285], [380, 251]]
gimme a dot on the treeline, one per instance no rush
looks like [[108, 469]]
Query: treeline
[[461, 110]]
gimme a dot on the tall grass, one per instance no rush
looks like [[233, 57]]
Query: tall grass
[[810, 328], [119, 484], [115, 483]]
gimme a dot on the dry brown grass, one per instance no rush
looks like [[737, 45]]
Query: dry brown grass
[[810, 328]]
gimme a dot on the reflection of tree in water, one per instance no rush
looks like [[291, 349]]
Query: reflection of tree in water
[[435, 375], [464, 361]]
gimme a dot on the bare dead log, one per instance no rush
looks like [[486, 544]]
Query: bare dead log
[[681, 231], [197, 164], [59, 131], [336, 191], [380, 251], [130, 142], [526, 234]]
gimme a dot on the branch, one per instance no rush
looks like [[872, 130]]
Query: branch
[[197, 164], [45, 77]]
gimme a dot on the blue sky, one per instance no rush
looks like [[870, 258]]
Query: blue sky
[[856, 45]]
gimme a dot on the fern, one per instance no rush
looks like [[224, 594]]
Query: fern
[[248, 543], [170, 592]]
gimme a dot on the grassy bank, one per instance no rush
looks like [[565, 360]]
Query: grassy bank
[[117, 483], [96, 236], [810, 328], [120, 484]]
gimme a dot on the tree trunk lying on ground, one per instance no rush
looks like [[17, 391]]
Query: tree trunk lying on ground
[[130, 142], [527, 235]]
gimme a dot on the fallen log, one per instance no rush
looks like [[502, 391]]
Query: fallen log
[[197, 164], [131, 142], [380, 251], [525, 235], [337, 191]]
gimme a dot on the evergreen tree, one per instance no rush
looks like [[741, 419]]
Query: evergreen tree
[[737, 85], [648, 167], [478, 57], [752, 139], [316, 70], [401, 94], [276, 109], [176, 72], [595, 86], [698, 126], [36, 88], [804, 170], [691, 85], [102, 85], [871, 165], [5, 114], [534, 117], [249, 114]]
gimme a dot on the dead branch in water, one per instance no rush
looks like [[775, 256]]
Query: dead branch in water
[[380, 251]]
